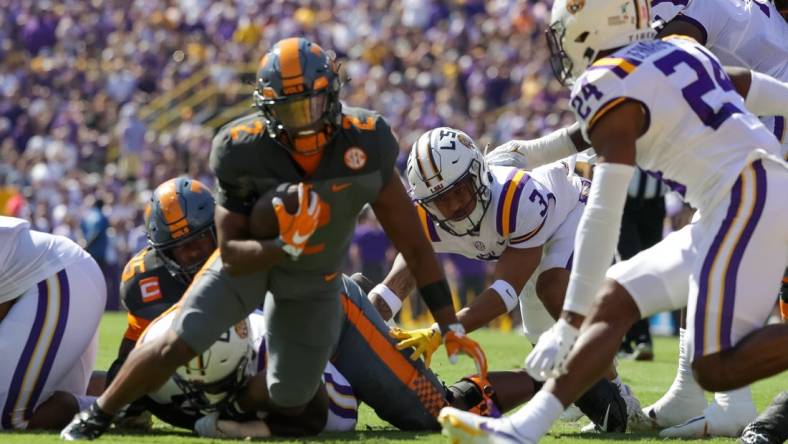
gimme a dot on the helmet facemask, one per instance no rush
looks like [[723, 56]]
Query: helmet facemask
[[467, 224], [209, 397], [303, 112], [184, 273], [559, 60]]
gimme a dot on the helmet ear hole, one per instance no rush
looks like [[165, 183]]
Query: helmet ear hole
[[582, 37]]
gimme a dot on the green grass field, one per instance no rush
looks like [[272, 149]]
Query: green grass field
[[504, 351]]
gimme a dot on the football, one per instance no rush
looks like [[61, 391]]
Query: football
[[262, 221]]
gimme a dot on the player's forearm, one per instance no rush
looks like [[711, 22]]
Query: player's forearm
[[766, 96], [555, 146], [433, 288], [482, 310], [387, 296], [241, 257]]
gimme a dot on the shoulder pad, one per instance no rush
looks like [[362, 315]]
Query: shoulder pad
[[359, 118], [245, 129]]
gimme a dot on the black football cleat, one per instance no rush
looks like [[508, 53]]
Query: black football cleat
[[87, 425], [771, 426]]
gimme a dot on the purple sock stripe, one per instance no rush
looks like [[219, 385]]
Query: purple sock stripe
[[340, 388], [342, 412], [569, 262], [731, 273], [501, 199], [27, 353], [516, 202], [57, 338], [700, 309]]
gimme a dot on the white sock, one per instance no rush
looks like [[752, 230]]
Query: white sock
[[535, 418], [685, 380], [84, 401], [738, 397]]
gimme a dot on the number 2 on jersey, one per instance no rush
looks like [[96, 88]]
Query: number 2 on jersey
[[694, 92]]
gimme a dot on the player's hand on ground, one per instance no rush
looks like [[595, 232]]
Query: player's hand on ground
[[548, 358], [457, 342], [424, 341], [210, 426], [296, 229]]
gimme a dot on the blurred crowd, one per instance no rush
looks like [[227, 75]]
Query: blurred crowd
[[79, 159]]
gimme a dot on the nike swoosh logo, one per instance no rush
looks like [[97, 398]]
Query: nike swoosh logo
[[330, 276], [604, 422], [298, 239], [337, 187]]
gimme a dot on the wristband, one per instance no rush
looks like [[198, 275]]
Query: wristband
[[456, 328], [391, 298], [436, 295], [506, 292]]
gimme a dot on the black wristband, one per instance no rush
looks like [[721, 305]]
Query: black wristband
[[436, 295]]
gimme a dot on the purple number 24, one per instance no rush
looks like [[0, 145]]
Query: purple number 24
[[693, 93]]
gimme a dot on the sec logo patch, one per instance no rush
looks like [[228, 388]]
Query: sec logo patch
[[355, 158]]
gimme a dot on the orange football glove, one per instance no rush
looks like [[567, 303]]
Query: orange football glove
[[296, 229], [456, 342]]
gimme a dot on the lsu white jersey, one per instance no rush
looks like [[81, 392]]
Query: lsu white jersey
[[526, 208], [28, 257], [747, 33], [699, 136]]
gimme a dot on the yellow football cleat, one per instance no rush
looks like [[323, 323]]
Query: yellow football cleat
[[463, 427]]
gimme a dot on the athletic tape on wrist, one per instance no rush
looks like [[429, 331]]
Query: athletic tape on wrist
[[391, 298], [506, 292]]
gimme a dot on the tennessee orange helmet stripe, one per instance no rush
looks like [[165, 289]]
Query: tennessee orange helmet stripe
[[172, 211], [290, 64]]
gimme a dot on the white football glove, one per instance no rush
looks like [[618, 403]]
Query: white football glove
[[212, 427], [548, 358], [507, 155], [207, 426]]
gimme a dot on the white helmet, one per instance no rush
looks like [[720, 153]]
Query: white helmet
[[440, 159], [580, 29], [209, 379]]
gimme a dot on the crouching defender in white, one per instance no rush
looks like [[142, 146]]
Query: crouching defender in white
[[52, 295], [524, 222], [634, 101]]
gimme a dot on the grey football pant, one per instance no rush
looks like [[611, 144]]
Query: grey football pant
[[303, 317]]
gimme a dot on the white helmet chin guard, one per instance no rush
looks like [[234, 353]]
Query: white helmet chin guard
[[580, 29], [440, 159]]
